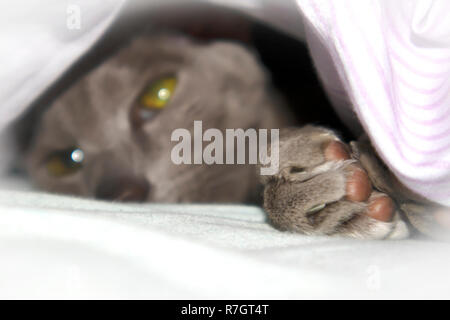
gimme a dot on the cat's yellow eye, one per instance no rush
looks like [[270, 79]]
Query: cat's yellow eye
[[158, 93], [65, 162]]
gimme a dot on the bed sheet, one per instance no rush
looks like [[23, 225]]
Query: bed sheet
[[54, 246]]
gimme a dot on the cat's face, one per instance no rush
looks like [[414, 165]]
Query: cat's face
[[109, 135]]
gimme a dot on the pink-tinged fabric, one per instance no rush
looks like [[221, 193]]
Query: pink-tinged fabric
[[387, 64], [38, 45]]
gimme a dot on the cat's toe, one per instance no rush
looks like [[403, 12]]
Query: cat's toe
[[380, 219]]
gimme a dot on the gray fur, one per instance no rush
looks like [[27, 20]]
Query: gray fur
[[221, 84], [306, 180]]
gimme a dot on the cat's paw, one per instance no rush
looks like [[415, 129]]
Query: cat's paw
[[322, 189]]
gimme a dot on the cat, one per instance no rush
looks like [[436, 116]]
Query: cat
[[109, 137]]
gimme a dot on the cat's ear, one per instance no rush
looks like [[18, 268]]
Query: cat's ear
[[235, 59]]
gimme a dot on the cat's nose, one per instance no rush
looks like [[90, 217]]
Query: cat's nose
[[124, 188]]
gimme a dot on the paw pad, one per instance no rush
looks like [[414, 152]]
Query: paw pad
[[381, 207], [359, 187], [336, 150]]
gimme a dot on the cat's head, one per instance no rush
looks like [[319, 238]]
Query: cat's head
[[109, 135]]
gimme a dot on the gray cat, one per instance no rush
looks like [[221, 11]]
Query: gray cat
[[109, 137]]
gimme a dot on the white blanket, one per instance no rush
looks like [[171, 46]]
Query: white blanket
[[63, 247]]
